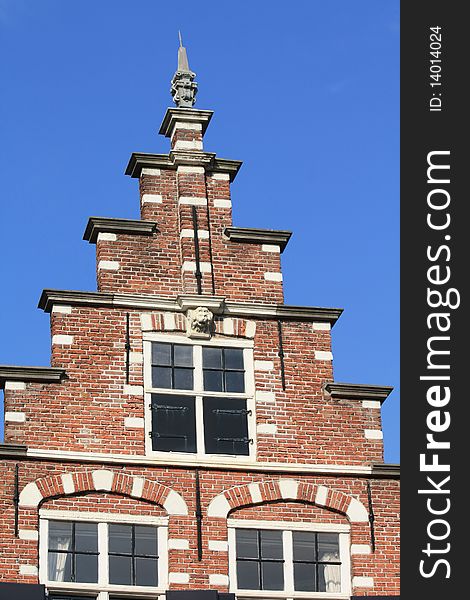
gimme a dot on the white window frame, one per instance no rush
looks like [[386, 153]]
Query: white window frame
[[102, 590], [199, 393], [287, 527]]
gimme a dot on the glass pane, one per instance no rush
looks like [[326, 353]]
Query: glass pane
[[161, 377], [329, 578], [146, 571], [146, 540], [86, 568], [304, 577], [235, 381], [183, 379], [247, 543], [212, 358], [328, 547], [86, 537], [233, 358], [161, 354], [304, 546], [183, 355], [213, 381], [248, 575], [60, 535], [120, 570], [272, 575], [271, 544], [60, 566], [120, 538]]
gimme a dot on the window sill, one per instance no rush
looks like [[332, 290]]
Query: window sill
[[248, 594], [129, 590]]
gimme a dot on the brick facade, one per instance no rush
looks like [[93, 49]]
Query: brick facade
[[79, 431]]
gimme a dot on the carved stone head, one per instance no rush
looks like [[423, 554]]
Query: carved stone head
[[199, 322]]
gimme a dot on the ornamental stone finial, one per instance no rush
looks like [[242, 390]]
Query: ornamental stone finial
[[183, 86]]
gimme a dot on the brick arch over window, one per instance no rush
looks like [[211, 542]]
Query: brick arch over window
[[289, 490], [102, 480]]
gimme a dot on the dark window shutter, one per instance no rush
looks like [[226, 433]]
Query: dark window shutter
[[173, 423], [226, 426]]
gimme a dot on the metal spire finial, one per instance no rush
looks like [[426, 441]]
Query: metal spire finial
[[183, 86]]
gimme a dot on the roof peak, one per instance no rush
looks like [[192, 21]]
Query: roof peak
[[183, 86]]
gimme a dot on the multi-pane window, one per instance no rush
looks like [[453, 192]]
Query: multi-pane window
[[133, 555], [73, 552], [200, 399], [289, 561], [89, 556], [260, 559]]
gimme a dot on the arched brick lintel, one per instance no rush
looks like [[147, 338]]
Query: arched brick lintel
[[289, 490], [102, 480]]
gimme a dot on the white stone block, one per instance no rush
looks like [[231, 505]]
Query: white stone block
[[62, 340], [373, 434], [264, 365], [185, 125], [321, 495], [30, 495], [265, 397], [28, 534], [289, 489], [250, 329], [188, 145], [175, 504], [133, 390], [146, 322], [178, 544], [61, 309], [192, 200], [108, 265], [219, 507], [106, 237], [323, 355], [270, 248], [221, 176], [189, 265], [15, 385], [147, 171], [218, 546], [360, 549], [228, 326], [137, 487], [266, 429], [321, 326], [255, 493], [169, 321], [218, 579], [357, 512], [221, 203], [67, 483], [103, 480], [134, 422], [152, 199], [189, 169], [136, 358], [273, 276], [202, 234], [363, 582], [29, 570], [178, 577], [371, 404]]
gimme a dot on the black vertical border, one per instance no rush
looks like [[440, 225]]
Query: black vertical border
[[423, 131]]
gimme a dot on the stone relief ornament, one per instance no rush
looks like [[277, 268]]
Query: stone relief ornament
[[199, 322]]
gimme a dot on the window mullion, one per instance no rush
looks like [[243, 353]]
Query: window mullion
[[200, 442], [288, 549], [103, 562], [198, 375]]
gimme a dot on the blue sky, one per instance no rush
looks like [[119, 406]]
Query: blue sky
[[305, 92]]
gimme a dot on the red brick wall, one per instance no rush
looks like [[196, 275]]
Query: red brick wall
[[381, 565]]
